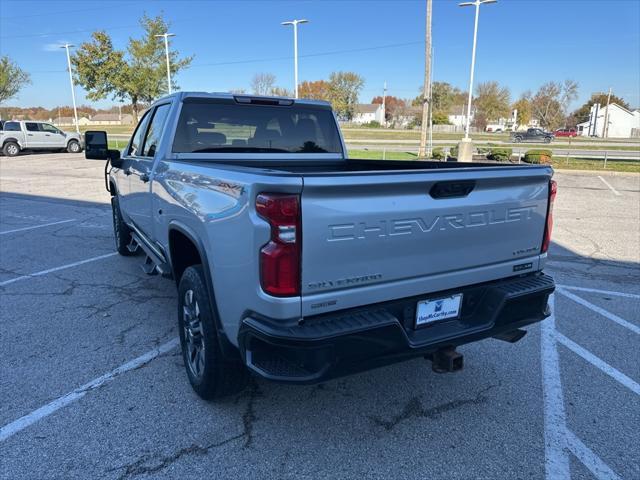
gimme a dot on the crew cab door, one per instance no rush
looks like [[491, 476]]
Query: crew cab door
[[140, 166], [53, 138], [34, 137]]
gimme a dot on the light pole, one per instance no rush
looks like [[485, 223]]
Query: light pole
[[73, 93], [465, 148], [295, 51], [166, 54]]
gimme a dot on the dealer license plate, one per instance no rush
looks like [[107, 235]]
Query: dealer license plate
[[429, 311]]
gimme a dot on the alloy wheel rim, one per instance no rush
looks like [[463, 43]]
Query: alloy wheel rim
[[12, 149], [193, 335]]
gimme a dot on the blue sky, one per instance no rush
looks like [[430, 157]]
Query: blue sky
[[522, 43]]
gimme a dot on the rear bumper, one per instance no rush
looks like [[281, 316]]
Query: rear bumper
[[332, 345]]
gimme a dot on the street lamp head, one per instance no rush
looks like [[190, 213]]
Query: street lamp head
[[295, 22], [165, 35], [67, 45], [476, 3]]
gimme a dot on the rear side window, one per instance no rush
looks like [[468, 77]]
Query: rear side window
[[155, 129], [11, 127], [206, 127], [136, 142], [32, 127]]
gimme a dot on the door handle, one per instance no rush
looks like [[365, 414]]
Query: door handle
[[47, 135], [127, 171], [144, 177], [29, 134]]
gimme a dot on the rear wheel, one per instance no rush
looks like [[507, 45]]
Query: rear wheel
[[517, 139], [121, 232], [73, 146], [11, 149], [211, 374]]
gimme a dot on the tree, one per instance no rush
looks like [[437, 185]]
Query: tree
[[12, 79], [523, 106], [492, 102], [550, 103], [263, 83], [316, 90], [139, 75], [582, 114], [344, 88], [393, 106]]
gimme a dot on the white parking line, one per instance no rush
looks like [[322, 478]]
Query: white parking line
[[555, 447], [609, 185], [611, 316], [37, 226], [596, 290], [599, 364], [600, 470], [46, 410], [56, 269]]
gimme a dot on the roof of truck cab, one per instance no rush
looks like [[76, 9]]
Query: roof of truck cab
[[229, 96]]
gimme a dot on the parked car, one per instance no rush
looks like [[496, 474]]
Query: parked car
[[532, 135], [17, 136], [566, 132], [299, 264], [495, 128]]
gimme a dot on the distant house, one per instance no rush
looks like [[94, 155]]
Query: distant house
[[111, 119], [368, 112], [407, 116], [623, 123], [457, 115], [70, 121]]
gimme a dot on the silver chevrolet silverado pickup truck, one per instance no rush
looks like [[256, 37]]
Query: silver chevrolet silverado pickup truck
[[299, 264]]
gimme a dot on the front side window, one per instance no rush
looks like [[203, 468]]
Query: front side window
[[49, 128], [32, 127], [136, 141], [155, 129], [210, 127]]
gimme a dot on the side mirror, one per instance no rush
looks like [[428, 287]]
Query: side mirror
[[97, 148], [96, 145]]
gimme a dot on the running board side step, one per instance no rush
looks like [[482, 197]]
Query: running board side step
[[154, 262]]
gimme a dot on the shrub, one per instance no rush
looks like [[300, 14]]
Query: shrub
[[500, 154], [372, 124], [438, 154], [538, 156]]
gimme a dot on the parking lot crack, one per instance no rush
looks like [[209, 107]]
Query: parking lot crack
[[414, 408], [154, 463]]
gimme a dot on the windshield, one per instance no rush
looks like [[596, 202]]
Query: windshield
[[206, 127]]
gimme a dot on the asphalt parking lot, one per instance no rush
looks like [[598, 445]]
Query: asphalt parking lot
[[93, 386]]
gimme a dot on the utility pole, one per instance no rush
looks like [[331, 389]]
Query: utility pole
[[384, 104], [166, 54], [430, 145], [465, 148], [426, 94], [73, 93], [606, 117], [295, 51]]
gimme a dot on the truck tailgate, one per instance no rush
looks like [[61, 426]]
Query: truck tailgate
[[372, 237]]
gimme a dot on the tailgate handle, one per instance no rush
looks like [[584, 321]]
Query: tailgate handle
[[454, 189]]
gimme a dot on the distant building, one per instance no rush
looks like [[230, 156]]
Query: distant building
[[623, 123], [368, 112], [407, 116], [69, 121], [457, 115], [111, 119]]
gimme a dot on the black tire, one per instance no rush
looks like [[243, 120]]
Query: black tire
[[212, 375], [74, 147], [547, 140], [121, 232], [517, 139], [11, 149]]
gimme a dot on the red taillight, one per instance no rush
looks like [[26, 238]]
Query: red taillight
[[553, 189], [280, 258]]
